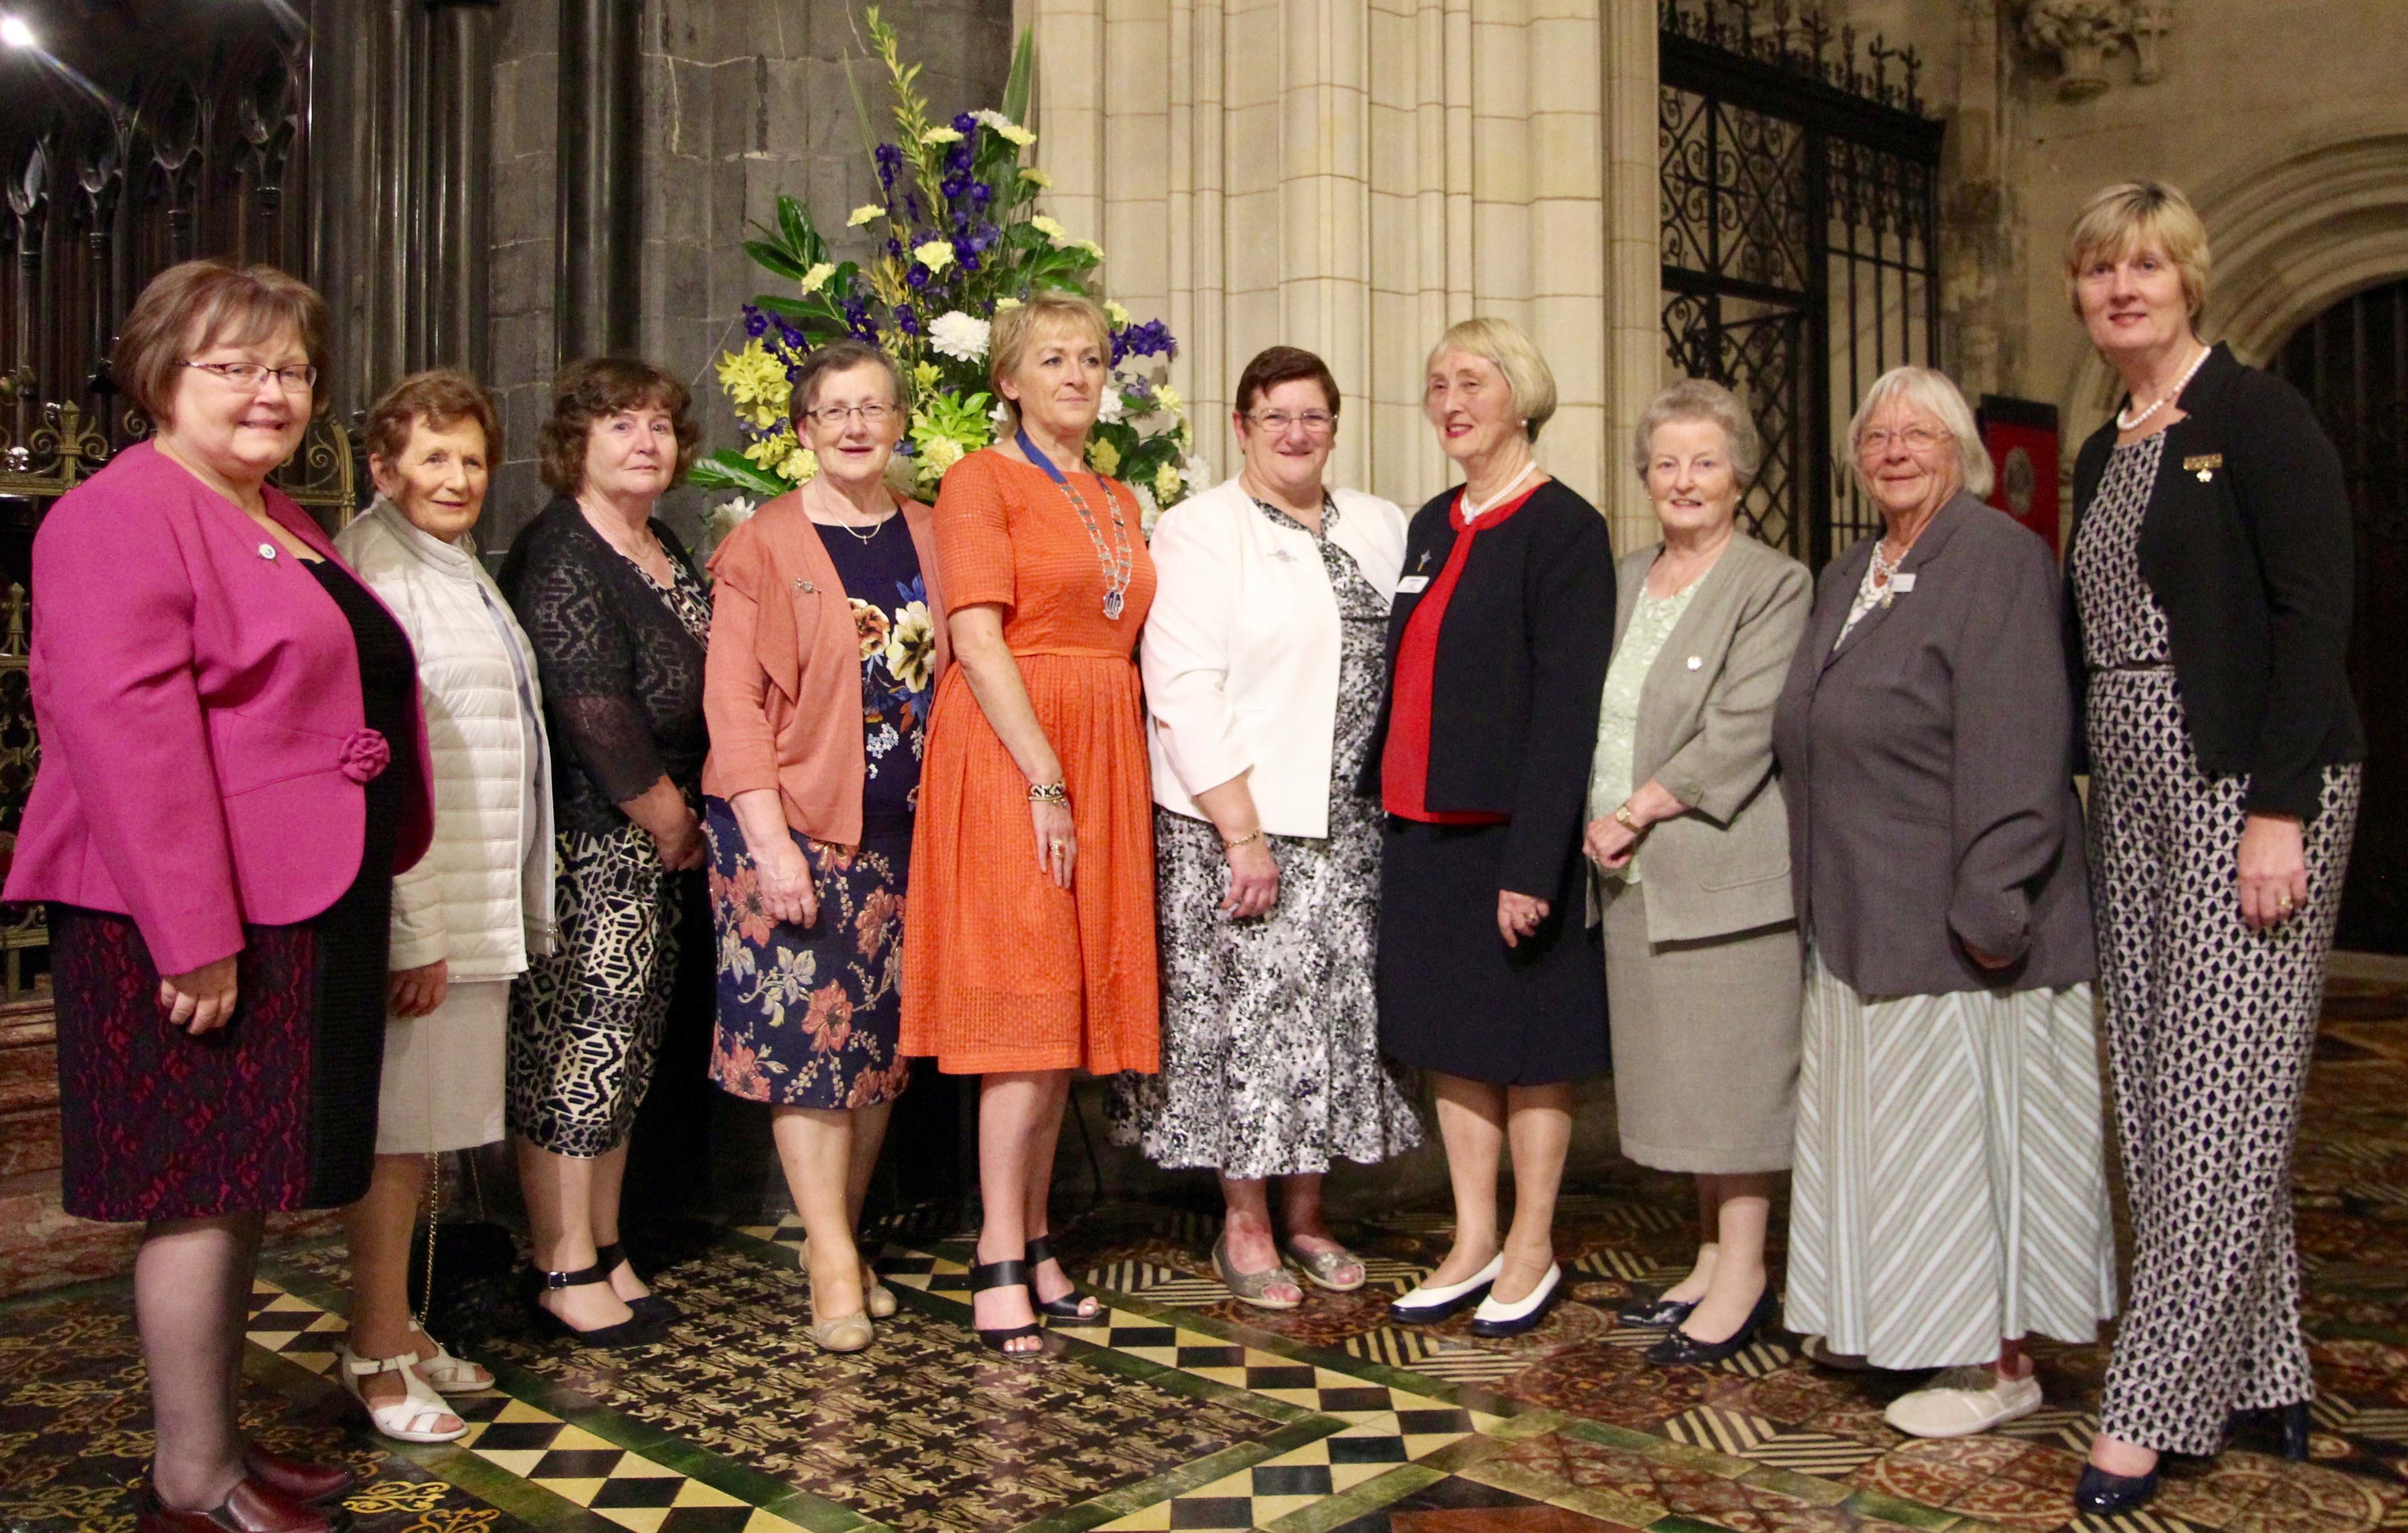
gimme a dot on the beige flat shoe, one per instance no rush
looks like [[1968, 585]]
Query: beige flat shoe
[[1320, 1266], [1253, 1287], [845, 1333]]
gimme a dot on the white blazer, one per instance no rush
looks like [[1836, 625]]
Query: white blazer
[[481, 896], [1240, 651]]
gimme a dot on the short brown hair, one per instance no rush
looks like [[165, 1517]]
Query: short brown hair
[[2117, 219], [837, 356], [1278, 365], [1015, 328], [594, 389], [442, 398], [196, 305]]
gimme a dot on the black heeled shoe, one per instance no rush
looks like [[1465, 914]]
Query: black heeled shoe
[[2293, 1429], [1011, 1274], [1681, 1347], [660, 1311], [1654, 1314], [2104, 1494], [637, 1330], [1040, 1251]]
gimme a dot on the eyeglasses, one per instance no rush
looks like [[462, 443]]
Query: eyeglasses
[[834, 416], [1314, 422], [245, 375], [1914, 439]]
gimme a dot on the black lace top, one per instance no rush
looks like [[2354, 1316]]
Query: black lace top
[[620, 660]]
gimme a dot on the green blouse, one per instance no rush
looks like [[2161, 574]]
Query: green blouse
[[1617, 723]]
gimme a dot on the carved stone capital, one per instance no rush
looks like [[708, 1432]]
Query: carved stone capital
[[2082, 35]]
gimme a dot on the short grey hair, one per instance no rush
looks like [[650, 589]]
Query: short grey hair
[[1701, 399], [1931, 392], [1504, 345]]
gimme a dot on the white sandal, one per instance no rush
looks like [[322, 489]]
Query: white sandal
[[409, 1418], [452, 1375]]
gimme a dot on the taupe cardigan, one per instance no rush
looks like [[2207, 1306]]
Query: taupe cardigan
[[1928, 763], [1705, 733]]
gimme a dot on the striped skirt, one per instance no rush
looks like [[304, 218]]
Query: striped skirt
[[1950, 1185]]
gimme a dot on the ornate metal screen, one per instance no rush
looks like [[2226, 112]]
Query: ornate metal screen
[[1800, 237]]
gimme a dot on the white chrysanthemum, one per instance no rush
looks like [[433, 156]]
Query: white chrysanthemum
[[868, 212], [728, 515], [937, 254], [1009, 131], [1000, 415], [959, 335], [817, 278], [1196, 473], [1113, 406]]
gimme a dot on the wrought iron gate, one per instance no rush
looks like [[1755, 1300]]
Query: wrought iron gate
[[1801, 239]]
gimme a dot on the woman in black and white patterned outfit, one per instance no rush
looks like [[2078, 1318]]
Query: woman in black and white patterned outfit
[[1264, 661], [2210, 584], [619, 620]]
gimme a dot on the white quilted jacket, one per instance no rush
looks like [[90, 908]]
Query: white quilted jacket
[[482, 897]]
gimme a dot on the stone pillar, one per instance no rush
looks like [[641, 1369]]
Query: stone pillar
[[460, 131], [1351, 177], [598, 303]]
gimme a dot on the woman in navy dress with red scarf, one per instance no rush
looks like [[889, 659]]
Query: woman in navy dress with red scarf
[[232, 774], [1498, 644]]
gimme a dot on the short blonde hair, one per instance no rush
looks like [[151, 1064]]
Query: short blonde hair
[[1932, 393], [2118, 220], [1701, 399], [1015, 330], [1527, 373]]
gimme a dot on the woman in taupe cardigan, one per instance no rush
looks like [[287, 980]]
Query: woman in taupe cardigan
[[1950, 1194], [1691, 841]]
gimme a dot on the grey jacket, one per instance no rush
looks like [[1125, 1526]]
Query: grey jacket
[[1928, 765], [1705, 733]]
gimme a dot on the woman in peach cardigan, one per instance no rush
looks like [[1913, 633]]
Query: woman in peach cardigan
[[827, 640]]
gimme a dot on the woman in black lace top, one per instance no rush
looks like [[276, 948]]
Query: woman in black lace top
[[619, 620]]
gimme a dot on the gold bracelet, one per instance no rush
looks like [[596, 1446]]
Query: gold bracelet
[[1231, 843], [1049, 792], [1623, 817]]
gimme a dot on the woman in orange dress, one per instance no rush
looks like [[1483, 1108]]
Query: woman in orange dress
[[1029, 947]]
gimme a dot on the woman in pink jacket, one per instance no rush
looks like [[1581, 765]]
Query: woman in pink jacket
[[231, 777]]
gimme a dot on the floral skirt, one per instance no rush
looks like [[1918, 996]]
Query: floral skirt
[[808, 1015]]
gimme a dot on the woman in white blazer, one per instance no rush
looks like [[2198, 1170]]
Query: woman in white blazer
[[1263, 660], [467, 917]]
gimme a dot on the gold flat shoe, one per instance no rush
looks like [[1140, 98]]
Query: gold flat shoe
[[1320, 1265], [1252, 1287]]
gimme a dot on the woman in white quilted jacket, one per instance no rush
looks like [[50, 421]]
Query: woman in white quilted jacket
[[467, 917]]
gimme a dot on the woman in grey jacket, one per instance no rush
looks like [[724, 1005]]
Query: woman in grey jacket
[[467, 917], [1950, 1194], [1691, 841]]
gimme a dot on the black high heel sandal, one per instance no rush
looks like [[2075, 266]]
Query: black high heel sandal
[[1011, 1274], [660, 1311], [637, 1330], [1040, 1251]]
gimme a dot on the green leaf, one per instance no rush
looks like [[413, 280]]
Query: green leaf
[[1016, 87], [727, 469], [802, 240], [771, 258]]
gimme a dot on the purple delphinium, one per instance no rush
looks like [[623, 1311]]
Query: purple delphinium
[[917, 277], [791, 336], [757, 323], [959, 158], [894, 248], [905, 321], [890, 160], [981, 195], [965, 123], [953, 186]]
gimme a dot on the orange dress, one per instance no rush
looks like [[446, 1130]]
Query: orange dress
[[1002, 970]]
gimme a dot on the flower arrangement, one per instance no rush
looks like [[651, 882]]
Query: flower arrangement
[[961, 240]]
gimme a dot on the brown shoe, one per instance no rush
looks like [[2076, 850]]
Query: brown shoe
[[297, 1479], [251, 1508]]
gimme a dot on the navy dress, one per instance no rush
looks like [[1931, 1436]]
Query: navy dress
[[808, 1015]]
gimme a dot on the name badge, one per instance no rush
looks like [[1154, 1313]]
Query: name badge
[[1413, 584], [2204, 464], [1901, 585]]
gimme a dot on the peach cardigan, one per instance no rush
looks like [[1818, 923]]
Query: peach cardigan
[[782, 690]]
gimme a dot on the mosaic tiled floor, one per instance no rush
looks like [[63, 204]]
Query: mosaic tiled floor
[[1179, 1408]]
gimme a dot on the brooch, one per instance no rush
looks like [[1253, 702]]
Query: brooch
[[2204, 464], [268, 551]]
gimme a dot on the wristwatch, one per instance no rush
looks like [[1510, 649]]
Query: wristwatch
[[1622, 817]]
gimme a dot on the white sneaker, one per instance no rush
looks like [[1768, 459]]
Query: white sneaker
[[1961, 1401]]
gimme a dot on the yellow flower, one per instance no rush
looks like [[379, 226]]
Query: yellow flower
[[867, 212], [1052, 229], [937, 254], [1114, 312], [912, 647], [1165, 482], [752, 377], [800, 466], [1019, 135], [940, 135], [817, 278], [936, 455], [1090, 246], [761, 417], [1167, 400], [926, 376], [1035, 177], [1002, 304], [772, 450], [1103, 457]]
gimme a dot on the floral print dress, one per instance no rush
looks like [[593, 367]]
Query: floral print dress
[[808, 1015], [1270, 1045]]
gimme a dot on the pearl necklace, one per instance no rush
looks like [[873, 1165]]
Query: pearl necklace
[[2125, 422], [1474, 510]]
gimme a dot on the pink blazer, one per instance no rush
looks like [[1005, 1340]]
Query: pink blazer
[[204, 744]]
